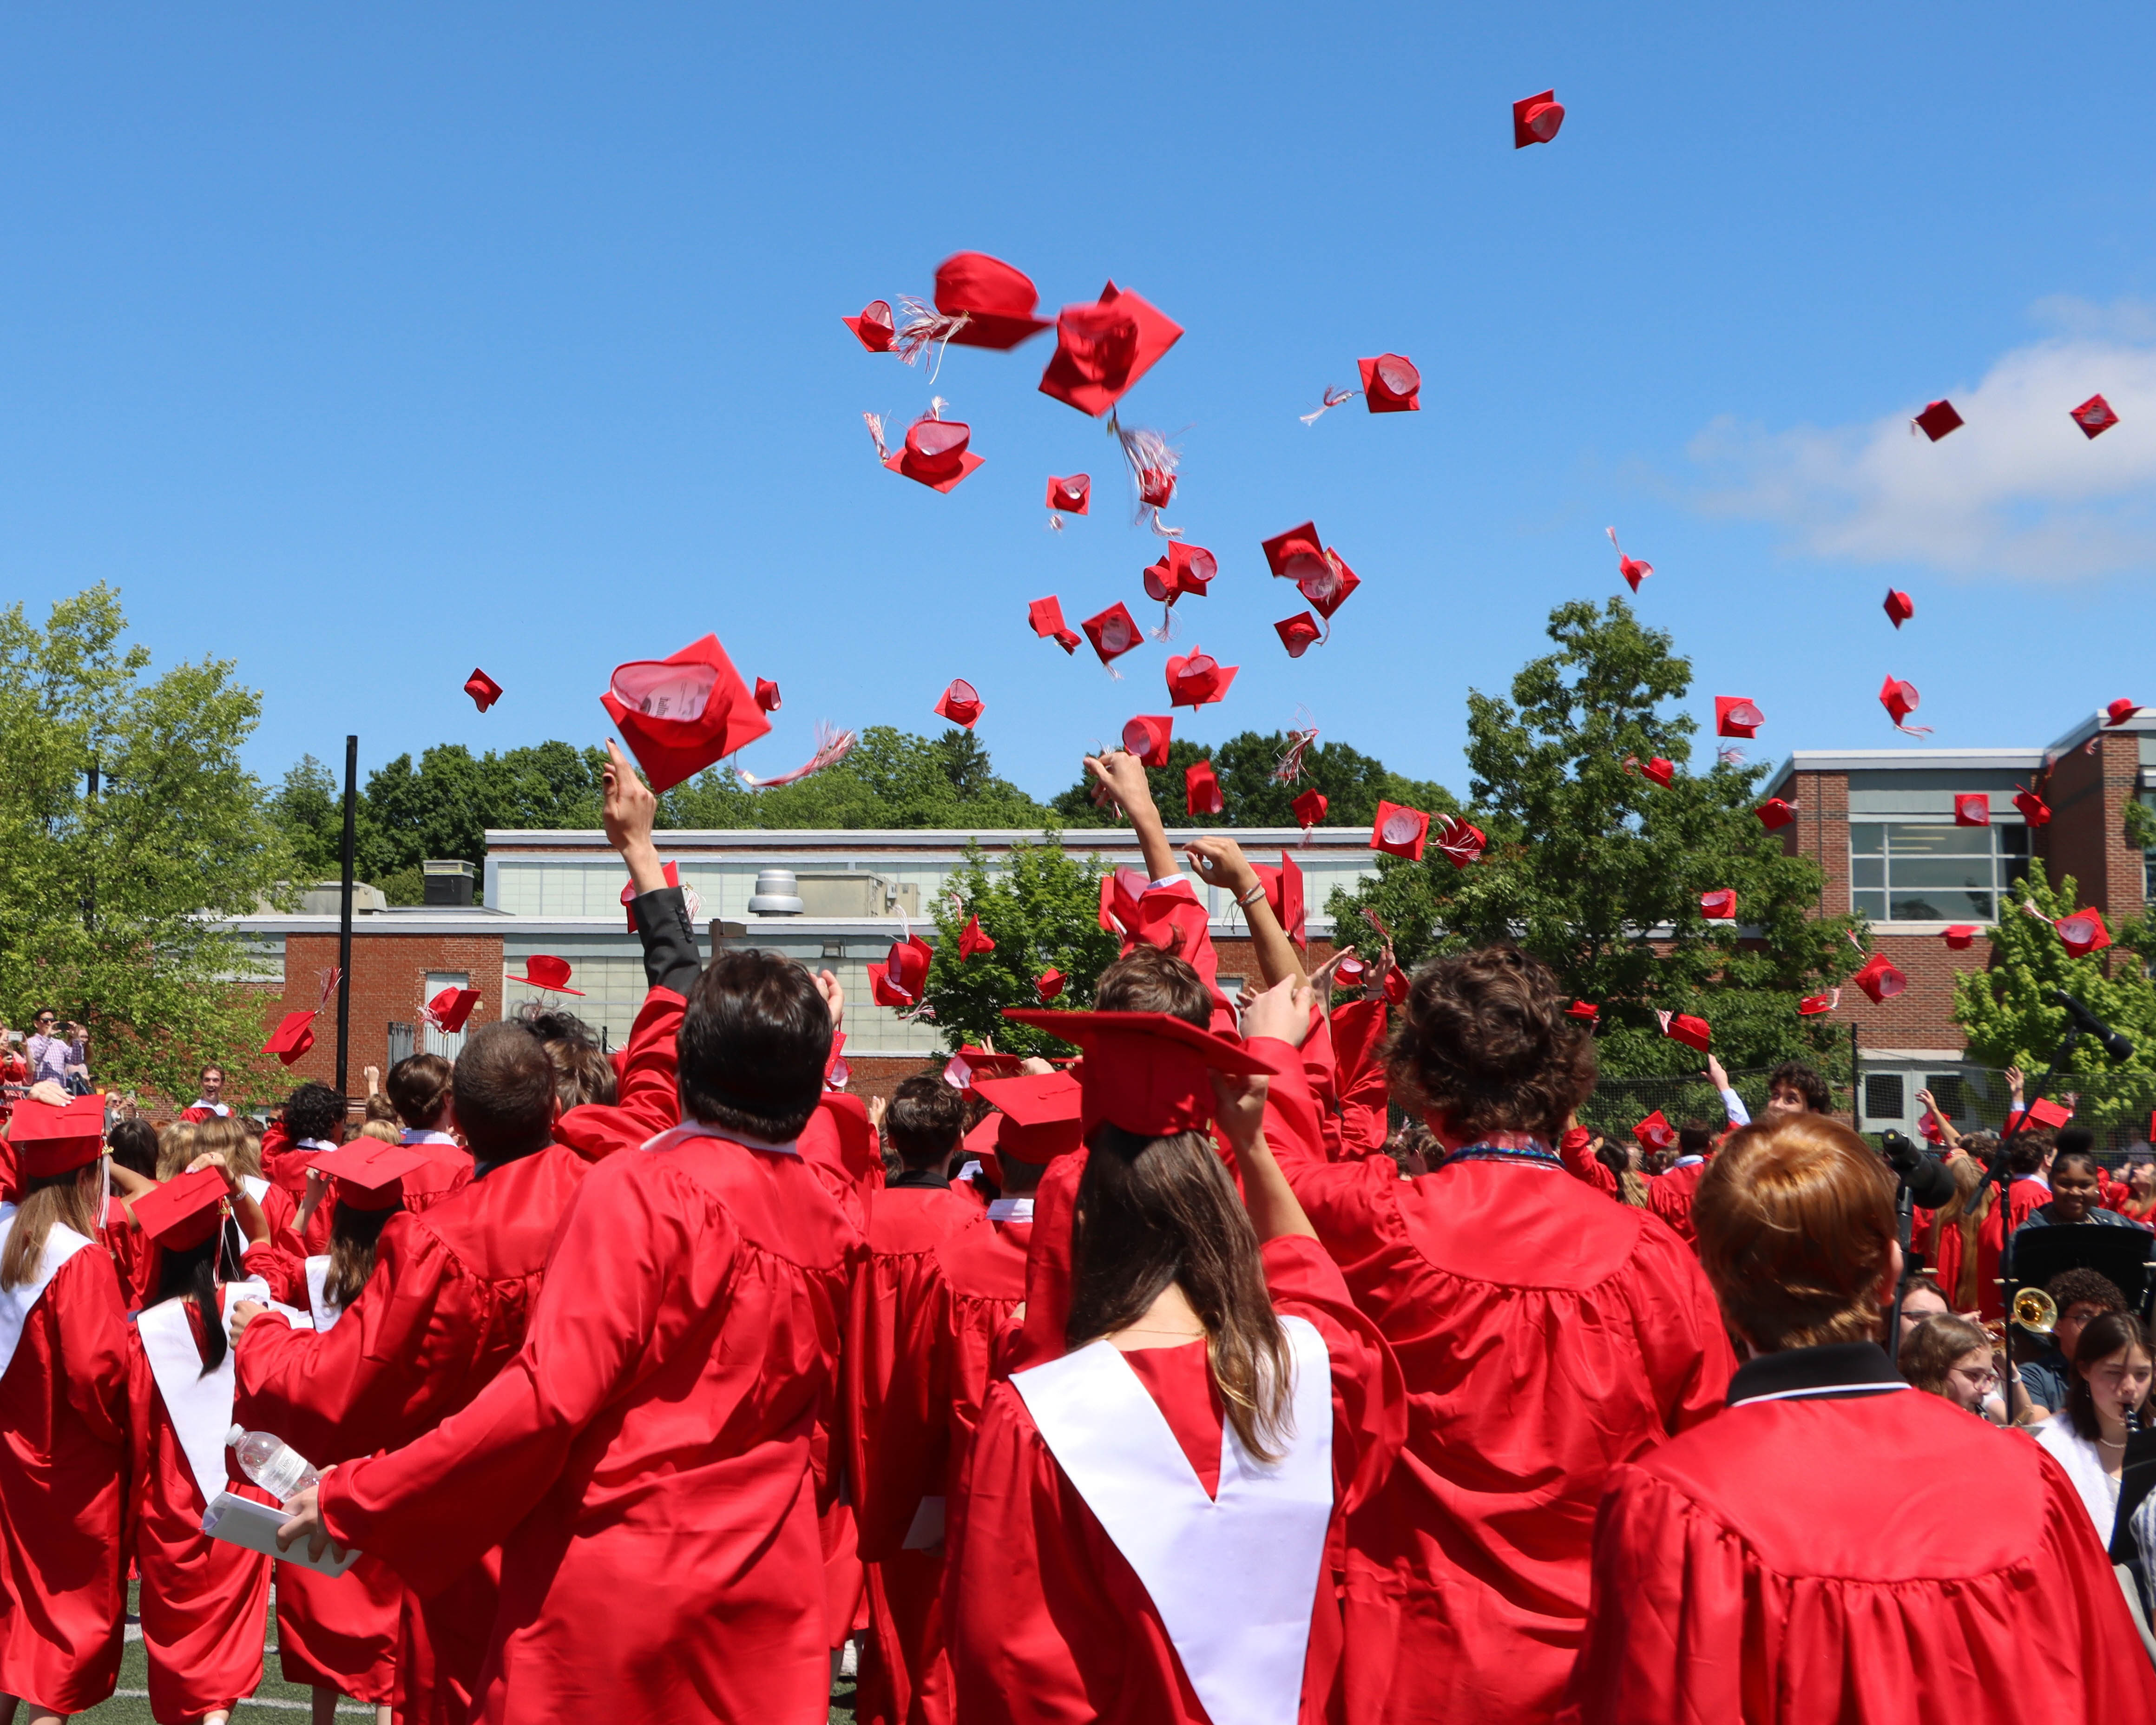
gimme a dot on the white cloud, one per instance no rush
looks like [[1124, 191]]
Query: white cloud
[[2017, 490]]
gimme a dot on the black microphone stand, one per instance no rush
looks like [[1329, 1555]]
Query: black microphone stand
[[1905, 1222], [2001, 1173]]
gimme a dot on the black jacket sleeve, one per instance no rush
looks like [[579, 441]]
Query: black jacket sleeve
[[670, 958]]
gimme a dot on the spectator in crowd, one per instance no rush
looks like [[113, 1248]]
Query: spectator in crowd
[[2076, 1195], [1949, 1356], [2079, 1295], [50, 1051], [2105, 1399], [2139, 1203], [1921, 1298], [209, 1102], [14, 1064], [1794, 1088]]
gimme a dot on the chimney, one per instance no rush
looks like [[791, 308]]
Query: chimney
[[448, 882]]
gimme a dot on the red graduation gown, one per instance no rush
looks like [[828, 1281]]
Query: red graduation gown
[[1947, 1272], [64, 1466], [1048, 1622], [1546, 1335], [980, 1285], [645, 1461], [1854, 1561]]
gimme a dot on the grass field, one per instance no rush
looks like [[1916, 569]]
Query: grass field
[[276, 1698]]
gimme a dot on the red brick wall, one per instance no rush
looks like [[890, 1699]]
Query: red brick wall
[[2086, 839]]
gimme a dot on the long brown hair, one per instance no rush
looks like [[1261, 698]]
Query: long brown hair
[[1152, 1211], [71, 1198], [353, 1235], [1965, 1212]]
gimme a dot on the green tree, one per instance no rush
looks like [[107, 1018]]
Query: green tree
[[1598, 871], [309, 808], [1252, 794], [109, 903], [891, 778], [1041, 907]]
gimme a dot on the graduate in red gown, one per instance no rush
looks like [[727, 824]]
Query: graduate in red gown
[[1151, 1517], [420, 1089], [63, 1426], [1835, 1545], [647, 1460]]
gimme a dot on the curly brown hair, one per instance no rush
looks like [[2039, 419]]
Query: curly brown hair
[[1485, 1042]]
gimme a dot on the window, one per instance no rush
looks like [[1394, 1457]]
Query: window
[[1906, 871], [1883, 1097]]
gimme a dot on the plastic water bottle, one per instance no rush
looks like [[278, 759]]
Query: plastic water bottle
[[272, 1463]]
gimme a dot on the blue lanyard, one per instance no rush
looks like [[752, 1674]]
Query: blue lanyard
[[1533, 1154]]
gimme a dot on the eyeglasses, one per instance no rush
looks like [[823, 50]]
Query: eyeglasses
[[1985, 1379]]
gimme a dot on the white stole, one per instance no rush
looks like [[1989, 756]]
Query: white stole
[[62, 1243], [1234, 1576], [198, 1404], [257, 1188], [690, 1129], [2084, 1465], [325, 1316], [1011, 1210]]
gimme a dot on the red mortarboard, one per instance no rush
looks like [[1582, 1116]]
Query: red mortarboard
[[543, 970], [1328, 590], [899, 980], [1929, 1126], [935, 453], [1900, 699], [1284, 893], [2095, 417], [970, 1064], [628, 893], [1073, 496], [679, 715], [1048, 984], [874, 326], [996, 300], [2035, 810], [2044, 1111], [1972, 808], [1296, 633], [448, 1010], [1147, 1072], [1812, 1005], [972, 940], [962, 703], [766, 695], [1774, 813], [1936, 420], [2119, 711], [1046, 616], [1958, 937], [1182, 569], [483, 690], [1147, 736], [1879, 979], [1101, 349], [1536, 119], [1298, 553], [1899, 607], [1461, 842], [1631, 568], [293, 1037], [1391, 384], [1734, 716], [1692, 1032], [1399, 831], [48, 1141], [1197, 678], [1310, 808], [1112, 631], [2083, 933], [1656, 1132], [369, 1175], [1719, 905], [1660, 771], [1584, 1010], [1156, 487], [1038, 1115], [183, 1212], [1350, 970], [1201, 789]]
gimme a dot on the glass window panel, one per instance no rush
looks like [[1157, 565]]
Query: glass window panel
[[1867, 871], [1882, 1096], [1940, 906], [1908, 840], [1870, 904], [1938, 871], [1867, 837], [2013, 841]]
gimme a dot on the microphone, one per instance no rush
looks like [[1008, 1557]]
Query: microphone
[[2114, 1044], [1931, 1185]]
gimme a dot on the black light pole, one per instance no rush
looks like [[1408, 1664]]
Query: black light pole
[[1855, 1082], [344, 915]]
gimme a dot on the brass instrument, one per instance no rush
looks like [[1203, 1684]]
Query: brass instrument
[[2035, 1312]]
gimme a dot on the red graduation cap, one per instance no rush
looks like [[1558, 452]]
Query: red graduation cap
[[448, 1011], [1900, 699], [1310, 808], [1071, 495], [292, 1038], [1812, 1005], [899, 980], [1112, 631], [1350, 970], [1879, 979], [483, 690], [1391, 384], [1656, 1132], [2044, 1111], [1284, 893], [970, 1064], [1147, 1072], [48, 1141], [1459, 841], [1197, 678], [766, 694], [1181, 569], [1972, 808], [1734, 716], [1631, 568], [1936, 420], [1046, 616], [1048, 984], [672, 872], [369, 1175], [2119, 711], [1774, 813], [962, 703], [1104, 347], [1899, 607], [543, 970], [1657, 771], [1719, 905], [1536, 119], [1147, 737], [1958, 937], [1038, 1116], [1297, 553], [1157, 486], [996, 300], [935, 453], [1201, 789], [1296, 633], [2095, 417], [1327, 590], [874, 326], [1929, 1127], [1586, 1011], [1683, 1027], [1399, 831], [972, 940], [2083, 933], [2035, 810], [183, 1212], [680, 714]]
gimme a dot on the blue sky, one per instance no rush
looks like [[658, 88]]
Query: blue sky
[[364, 345]]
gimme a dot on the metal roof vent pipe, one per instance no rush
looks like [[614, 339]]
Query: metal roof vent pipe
[[778, 894]]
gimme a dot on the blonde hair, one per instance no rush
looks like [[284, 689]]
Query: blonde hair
[[382, 1130], [176, 1148]]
